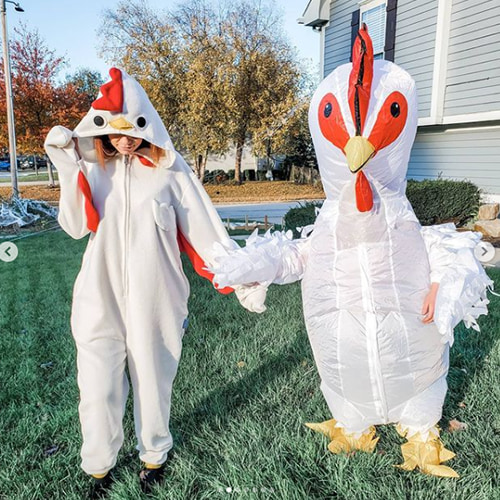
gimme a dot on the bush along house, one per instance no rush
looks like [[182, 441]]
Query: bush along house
[[451, 49]]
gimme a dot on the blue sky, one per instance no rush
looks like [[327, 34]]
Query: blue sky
[[70, 28]]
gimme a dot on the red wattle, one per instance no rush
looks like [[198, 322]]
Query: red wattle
[[364, 194]]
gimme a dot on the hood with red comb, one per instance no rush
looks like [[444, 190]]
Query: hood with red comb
[[363, 120], [122, 107]]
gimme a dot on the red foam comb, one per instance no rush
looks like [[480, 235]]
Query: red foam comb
[[112, 93], [360, 79]]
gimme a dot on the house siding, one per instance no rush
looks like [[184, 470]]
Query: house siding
[[338, 34], [415, 44], [473, 76], [472, 154]]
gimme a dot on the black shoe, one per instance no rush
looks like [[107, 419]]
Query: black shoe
[[100, 487], [149, 477]]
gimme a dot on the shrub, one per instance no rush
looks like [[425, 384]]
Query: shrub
[[230, 174], [215, 177], [436, 201], [261, 175], [249, 174], [279, 175], [301, 216]]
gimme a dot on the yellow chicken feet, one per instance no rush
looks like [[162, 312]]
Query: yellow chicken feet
[[427, 455], [343, 442]]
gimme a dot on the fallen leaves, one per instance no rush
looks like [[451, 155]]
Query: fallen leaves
[[455, 425], [222, 193]]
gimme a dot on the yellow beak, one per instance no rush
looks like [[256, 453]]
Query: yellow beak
[[121, 124], [358, 151]]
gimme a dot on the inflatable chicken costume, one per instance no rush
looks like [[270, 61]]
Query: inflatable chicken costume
[[130, 297], [368, 266]]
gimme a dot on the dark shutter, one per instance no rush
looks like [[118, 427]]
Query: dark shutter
[[390, 30], [354, 29]]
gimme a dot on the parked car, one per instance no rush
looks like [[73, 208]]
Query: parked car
[[4, 166], [28, 162]]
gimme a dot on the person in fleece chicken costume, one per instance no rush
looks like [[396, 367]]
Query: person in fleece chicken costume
[[123, 183], [373, 280]]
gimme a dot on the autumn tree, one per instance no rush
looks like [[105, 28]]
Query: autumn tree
[[87, 83], [39, 103], [264, 72], [179, 60], [206, 84]]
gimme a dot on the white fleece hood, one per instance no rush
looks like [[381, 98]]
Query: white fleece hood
[[122, 107]]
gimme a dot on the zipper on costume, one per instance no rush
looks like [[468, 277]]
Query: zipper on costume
[[127, 225]]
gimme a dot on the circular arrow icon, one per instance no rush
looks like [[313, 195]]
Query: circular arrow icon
[[484, 251], [8, 251]]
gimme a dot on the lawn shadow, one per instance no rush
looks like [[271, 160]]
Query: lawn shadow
[[218, 408]]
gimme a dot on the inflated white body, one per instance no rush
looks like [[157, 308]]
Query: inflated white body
[[365, 276]]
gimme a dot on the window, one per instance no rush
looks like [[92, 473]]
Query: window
[[373, 13]]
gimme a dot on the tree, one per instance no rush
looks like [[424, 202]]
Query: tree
[[293, 138], [178, 59], [264, 72], [39, 103], [204, 111], [87, 83]]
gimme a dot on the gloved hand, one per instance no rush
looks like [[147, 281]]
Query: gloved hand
[[252, 297], [59, 137]]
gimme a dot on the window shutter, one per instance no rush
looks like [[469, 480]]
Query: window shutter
[[390, 30], [354, 29]]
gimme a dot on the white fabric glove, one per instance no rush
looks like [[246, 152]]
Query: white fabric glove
[[59, 137], [252, 297]]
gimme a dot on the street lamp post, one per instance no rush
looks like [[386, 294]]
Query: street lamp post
[[8, 93]]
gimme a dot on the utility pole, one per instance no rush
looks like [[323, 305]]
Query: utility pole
[[8, 95]]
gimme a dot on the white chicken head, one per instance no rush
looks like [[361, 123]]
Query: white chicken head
[[122, 107], [363, 120]]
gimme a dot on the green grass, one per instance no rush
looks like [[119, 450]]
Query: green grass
[[31, 177], [239, 427]]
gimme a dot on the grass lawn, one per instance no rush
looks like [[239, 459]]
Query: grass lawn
[[246, 385], [31, 177]]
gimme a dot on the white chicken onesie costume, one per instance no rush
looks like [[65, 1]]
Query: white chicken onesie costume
[[130, 297], [368, 266]]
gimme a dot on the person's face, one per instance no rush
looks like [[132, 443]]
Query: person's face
[[124, 144]]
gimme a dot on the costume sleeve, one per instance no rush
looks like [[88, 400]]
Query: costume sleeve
[[197, 218], [463, 281], [202, 229], [272, 258], [74, 214]]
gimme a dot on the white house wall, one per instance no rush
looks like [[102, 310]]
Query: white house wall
[[471, 154], [473, 76], [414, 47]]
